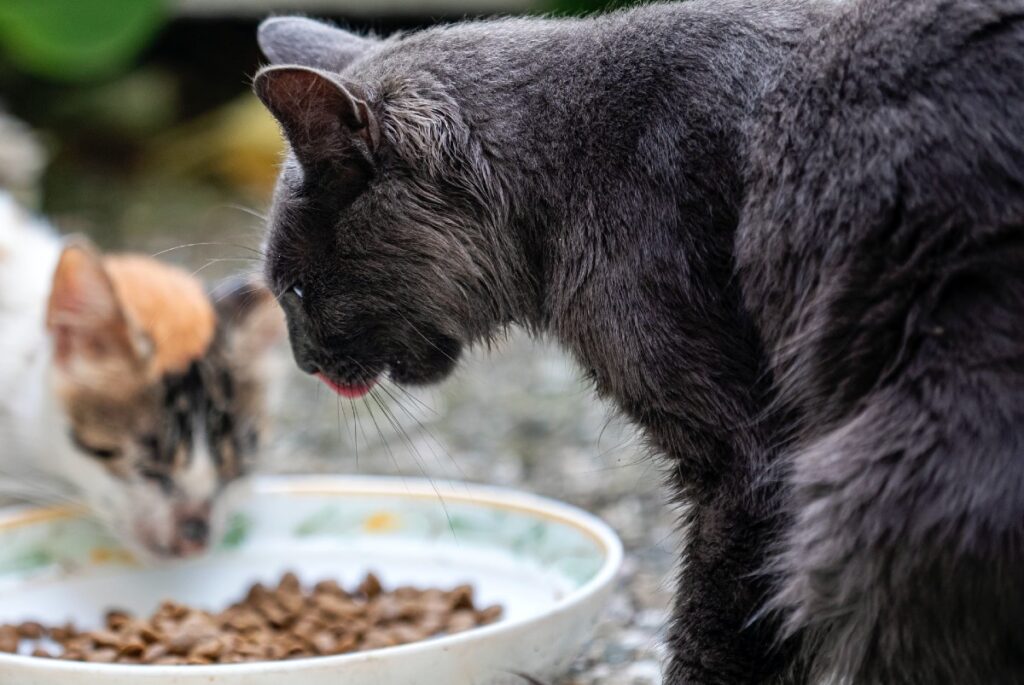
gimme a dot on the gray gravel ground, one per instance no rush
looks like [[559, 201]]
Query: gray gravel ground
[[516, 416]]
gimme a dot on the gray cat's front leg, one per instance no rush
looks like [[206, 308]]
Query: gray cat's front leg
[[713, 640]]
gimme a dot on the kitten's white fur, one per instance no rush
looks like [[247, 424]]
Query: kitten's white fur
[[28, 256]]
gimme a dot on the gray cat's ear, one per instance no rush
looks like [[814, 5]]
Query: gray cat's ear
[[297, 40], [324, 119]]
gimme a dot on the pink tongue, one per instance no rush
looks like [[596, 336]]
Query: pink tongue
[[352, 391]]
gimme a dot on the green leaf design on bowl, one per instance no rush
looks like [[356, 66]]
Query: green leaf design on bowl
[[28, 559], [237, 531]]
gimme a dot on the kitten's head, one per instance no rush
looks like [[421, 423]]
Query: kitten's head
[[384, 246], [161, 393]]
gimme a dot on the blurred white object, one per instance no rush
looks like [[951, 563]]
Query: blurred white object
[[22, 159]]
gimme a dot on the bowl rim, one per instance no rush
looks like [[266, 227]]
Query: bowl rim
[[367, 486]]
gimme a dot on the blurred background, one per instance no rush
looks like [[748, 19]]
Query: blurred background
[[132, 121]]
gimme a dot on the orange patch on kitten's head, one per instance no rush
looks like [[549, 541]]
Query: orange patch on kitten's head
[[168, 306], [126, 316]]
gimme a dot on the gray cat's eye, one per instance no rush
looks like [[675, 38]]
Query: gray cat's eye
[[297, 290]]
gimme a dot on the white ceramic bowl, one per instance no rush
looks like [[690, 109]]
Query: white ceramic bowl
[[550, 565]]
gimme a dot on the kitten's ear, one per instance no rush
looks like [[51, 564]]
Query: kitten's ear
[[85, 318], [323, 119], [298, 40], [250, 318]]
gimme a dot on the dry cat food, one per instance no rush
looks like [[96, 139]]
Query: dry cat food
[[270, 623]]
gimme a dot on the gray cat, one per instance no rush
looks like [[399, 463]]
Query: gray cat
[[784, 238]]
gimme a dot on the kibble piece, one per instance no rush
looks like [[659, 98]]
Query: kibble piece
[[149, 633], [306, 628], [154, 652], [171, 660], [9, 639], [273, 612], [386, 609], [208, 647], [370, 587], [116, 618], [105, 638], [62, 633], [404, 633], [194, 629], [243, 619], [31, 630], [489, 614], [377, 639], [433, 623], [292, 603], [255, 593], [461, 621], [346, 643], [103, 655], [40, 652], [328, 587], [324, 643], [79, 643], [461, 597], [336, 607], [132, 648], [289, 584]]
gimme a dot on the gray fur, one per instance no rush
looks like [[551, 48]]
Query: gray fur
[[882, 252], [587, 179], [297, 40]]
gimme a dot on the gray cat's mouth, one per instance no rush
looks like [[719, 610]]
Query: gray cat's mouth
[[349, 390]]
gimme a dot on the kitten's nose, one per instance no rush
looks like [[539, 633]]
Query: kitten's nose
[[192, 536], [195, 529]]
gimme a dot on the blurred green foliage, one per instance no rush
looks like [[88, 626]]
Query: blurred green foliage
[[582, 7], [77, 39]]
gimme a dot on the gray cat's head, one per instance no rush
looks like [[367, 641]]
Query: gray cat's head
[[384, 244]]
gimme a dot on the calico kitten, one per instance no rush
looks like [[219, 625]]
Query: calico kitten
[[126, 384], [581, 178]]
